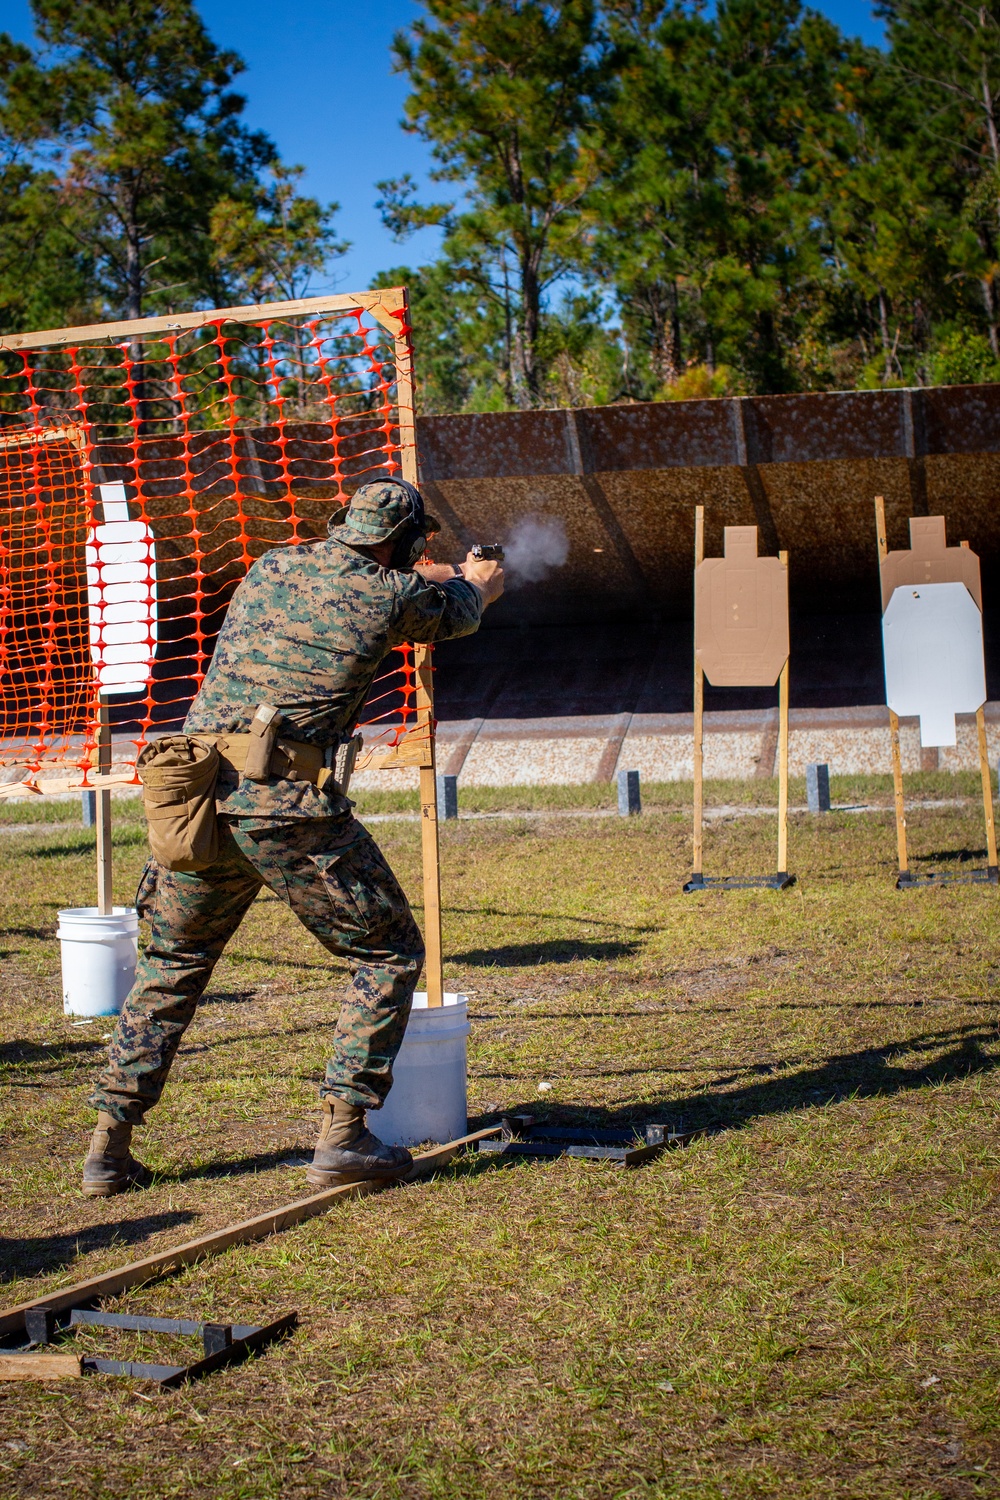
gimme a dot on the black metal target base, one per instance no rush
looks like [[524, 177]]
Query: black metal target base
[[224, 1343], [909, 882], [778, 882]]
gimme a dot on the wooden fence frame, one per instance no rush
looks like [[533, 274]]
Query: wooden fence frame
[[390, 309]]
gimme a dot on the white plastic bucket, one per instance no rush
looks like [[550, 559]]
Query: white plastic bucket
[[99, 956], [427, 1101]]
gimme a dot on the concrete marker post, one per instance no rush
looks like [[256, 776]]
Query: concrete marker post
[[818, 787], [447, 791], [629, 796]]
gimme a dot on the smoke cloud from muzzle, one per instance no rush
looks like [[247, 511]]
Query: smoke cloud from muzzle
[[536, 546]]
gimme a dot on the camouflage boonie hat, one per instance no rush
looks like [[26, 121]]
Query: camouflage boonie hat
[[378, 510]]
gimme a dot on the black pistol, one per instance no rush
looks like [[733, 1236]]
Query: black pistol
[[487, 552]]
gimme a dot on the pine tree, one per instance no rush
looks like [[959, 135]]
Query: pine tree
[[945, 58], [503, 89], [141, 135]]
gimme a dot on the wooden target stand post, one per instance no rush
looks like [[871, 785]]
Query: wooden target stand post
[[105, 899], [417, 746], [741, 639], [928, 563]]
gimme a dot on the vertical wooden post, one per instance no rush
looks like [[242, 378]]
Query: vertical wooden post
[[897, 755], [103, 800], [699, 714], [429, 840], [984, 772], [987, 784], [422, 661], [783, 758]]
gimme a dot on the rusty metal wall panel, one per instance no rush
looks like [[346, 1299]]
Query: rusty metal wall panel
[[824, 427], [961, 419], [488, 445], [624, 481], [657, 435], [748, 430]]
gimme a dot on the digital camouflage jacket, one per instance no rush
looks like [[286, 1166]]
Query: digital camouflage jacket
[[306, 631]]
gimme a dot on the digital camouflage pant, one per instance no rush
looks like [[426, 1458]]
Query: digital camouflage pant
[[347, 897]]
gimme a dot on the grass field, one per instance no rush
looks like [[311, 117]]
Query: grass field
[[802, 1303]]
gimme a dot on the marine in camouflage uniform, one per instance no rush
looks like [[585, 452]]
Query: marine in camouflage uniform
[[306, 631]]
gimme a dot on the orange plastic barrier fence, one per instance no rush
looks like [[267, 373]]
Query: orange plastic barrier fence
[[143, 468]]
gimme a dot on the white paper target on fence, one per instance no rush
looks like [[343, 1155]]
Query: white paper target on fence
[[932, 636], [121, 594]]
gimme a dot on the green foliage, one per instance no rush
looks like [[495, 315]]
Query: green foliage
[[945, 57], [643, 199], [505, 92], [458, 335], [740, 200], [128, 181], [269, 243], [699, 383], [964, 358]]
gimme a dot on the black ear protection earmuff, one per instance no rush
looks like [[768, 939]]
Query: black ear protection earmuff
[[411, 543]]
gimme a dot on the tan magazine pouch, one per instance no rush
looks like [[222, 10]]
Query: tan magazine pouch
[[178, 775]]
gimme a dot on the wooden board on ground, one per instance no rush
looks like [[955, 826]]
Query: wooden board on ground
[[111, 1283], [31, 1366]]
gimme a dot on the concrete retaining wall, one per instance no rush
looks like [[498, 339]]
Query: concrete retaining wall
[[575, 750]]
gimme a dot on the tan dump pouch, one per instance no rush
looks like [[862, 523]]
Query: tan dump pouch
[[178, 775]]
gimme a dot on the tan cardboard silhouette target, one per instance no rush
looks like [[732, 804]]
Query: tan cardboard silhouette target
[[929, 559], [741, 614], [740, 640]]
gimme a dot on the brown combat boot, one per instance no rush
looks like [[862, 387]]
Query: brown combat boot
[[348, 1152], [110, 1166]]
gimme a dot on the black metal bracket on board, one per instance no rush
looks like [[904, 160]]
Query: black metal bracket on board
[[626, 1146], [989, 876], [224, 1343], [778, 882]]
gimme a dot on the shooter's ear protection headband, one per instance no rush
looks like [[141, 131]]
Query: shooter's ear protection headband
[[408, 536], [411, 543]]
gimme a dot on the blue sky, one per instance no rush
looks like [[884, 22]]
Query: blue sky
[[319, 81]]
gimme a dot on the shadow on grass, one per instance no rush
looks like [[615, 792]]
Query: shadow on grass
[[50, 1252], [549, 916], [226, 997], [962, 856], [18, 1053], [556, 951], [239, 1166], [874, 1072], [82, 846]]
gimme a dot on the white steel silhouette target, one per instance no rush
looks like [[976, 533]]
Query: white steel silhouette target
[[932, 637], [121, 596]]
